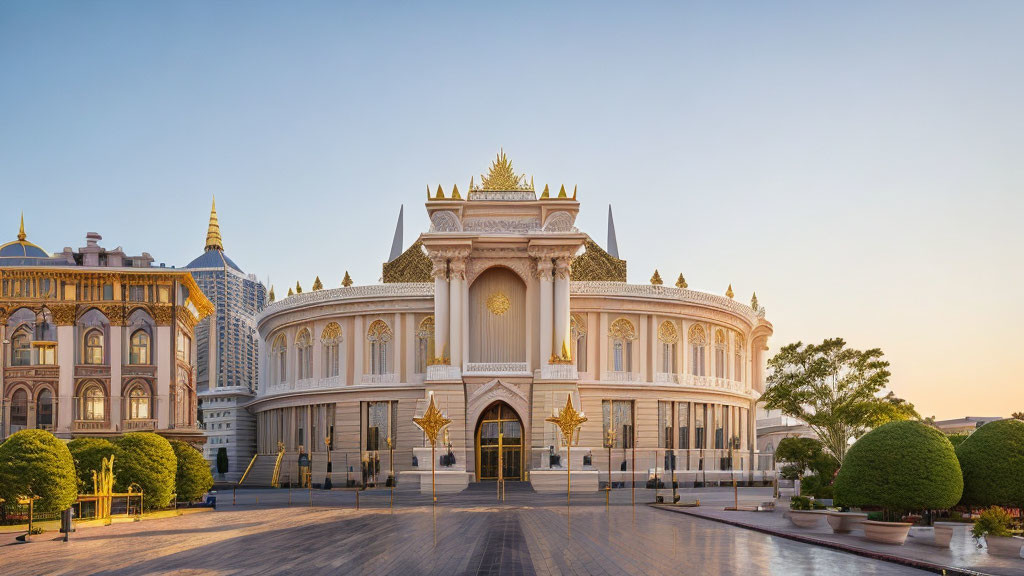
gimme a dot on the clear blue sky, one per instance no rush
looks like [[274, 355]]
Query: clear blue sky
[[860, 167]]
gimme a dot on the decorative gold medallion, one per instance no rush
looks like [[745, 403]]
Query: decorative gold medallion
[[498, 303]]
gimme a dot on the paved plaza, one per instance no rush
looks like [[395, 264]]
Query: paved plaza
[[468, 533]]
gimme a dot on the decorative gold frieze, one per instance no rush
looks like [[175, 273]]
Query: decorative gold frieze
[[186, 317], [63, 314], [413, 265], [163, 315], [622, 329], [667, 332], [596, 265]]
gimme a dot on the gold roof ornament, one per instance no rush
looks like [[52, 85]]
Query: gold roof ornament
[[753, 302], [546, 193], [213, 239], [656, 278], [573, 191], [298, 287], [568, 420], [440, 193], [428, 193], [271, 296], [501, 176], [347, 280], [432, 421], [455, 192], [317, 285], [681, 282], [21, 229], [728, 291], [561, 193], [291, 292]]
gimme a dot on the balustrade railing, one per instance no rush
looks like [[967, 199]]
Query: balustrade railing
[[380, 378]]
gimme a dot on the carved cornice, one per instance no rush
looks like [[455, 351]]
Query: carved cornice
[[163, 315], [186, 318], [667, 293]]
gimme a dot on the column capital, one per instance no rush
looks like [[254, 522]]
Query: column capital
[[543, 269], [457, 269], [440, 266], [562, 266]]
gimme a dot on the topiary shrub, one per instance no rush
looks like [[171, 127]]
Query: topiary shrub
[[193, 478], [222, 460], [993, 521], [148, 460], [88, 454], [35, 462], [992, 461], [900, 466]]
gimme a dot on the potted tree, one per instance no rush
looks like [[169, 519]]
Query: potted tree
[[803, 514], [994, 526], [898, 467], [992, 460]]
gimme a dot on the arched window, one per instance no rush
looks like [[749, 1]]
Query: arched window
[[19, 410], [44, 409], [425, 344], [668, 336], [138, 402], [379, 335], [330, 338], [304, 355], [719, 353], [578, 334], [139, 353], [622, 334], [92, 404], [737, 345], [279, 360], [93, 347], [697, 343], [21, 348]]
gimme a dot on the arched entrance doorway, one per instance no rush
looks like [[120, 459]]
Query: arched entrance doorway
[[499, 443]]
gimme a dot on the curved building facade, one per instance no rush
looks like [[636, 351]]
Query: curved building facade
[[500, 311]]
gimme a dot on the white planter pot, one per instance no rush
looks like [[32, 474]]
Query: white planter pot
[[886, 532], [1004, 545], [806, 518], [844, 522], [944, 532]]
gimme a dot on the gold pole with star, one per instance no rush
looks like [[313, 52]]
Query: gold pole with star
[[568, 422], [432, 422]]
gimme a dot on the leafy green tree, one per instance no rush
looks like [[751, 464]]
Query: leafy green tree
[[222, 460], [149, 461], [193, 478], [957, 439], [834, 389], [88, 454], [36, 463], [1017, 415], [900, 466], [992, 460]]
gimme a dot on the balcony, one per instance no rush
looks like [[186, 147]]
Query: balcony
[[90, 414], [666, 378], [379, 378], [621, 376], [711, 382], [497, 369], [441, 372], [138, 425], [559, 372]]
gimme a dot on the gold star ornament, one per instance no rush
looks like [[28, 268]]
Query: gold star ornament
[[432, 421]]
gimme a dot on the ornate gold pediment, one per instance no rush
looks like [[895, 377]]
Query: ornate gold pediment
[[596, 265], [413, 265], [501, 177]]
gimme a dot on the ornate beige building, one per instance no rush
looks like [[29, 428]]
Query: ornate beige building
[[96, 342], [501, 310]]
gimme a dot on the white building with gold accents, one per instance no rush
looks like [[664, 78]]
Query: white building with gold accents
[[501, 310], [96, 342]]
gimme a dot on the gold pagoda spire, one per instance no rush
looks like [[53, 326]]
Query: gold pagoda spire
[[681, 282], [21, 229], [213, 239], [347, 280], [729, 292], [656, 278], [271, 296]]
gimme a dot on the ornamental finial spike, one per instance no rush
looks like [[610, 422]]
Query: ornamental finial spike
[[573, 191], [471, 187], [440, 193], [753, 302], [298, 287], [317, 285], [568, 420], [213, 239], [432, 421], [271, 297], [455, 192], [347, 280], [546, 193], [428, 193], [656, 278], [728, 291], [291, 292], [681, 282], [21, 229], [561, 193]]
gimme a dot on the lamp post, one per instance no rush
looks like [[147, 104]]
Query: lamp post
[[568, 422], [391, 460], [431, 423], [610, 442], [328, 484]]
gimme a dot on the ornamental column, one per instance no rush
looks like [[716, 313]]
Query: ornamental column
[[440, 274], [561, 322], [544, 268], [457, 279]]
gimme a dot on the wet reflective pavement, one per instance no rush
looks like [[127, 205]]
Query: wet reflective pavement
[[467, 534]]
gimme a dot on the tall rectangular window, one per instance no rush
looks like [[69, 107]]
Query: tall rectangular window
[[381, 424], [665, 435], [700, 416], [719, 428], [683, 417], [618, 417]]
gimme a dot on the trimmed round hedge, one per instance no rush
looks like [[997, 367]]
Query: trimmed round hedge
[[149, 461], [992, 460], [900, 466], [88, 454], [35, 462], [193, 478]]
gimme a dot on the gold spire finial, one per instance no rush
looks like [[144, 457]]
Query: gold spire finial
[[213, 239], [440, 193], [573, 191], [271, 297], [455, 192], [681, 282], [753, 302], [546, 193], [428, 193], [291, 292], [347, 280], [502, 177], [21, 229], [656, 278], [728, 291], [568, 420], [317, 285], [561, 193], [298, 287]]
